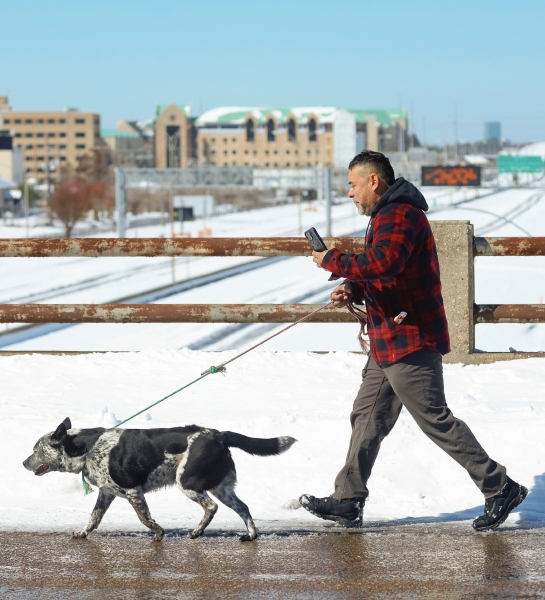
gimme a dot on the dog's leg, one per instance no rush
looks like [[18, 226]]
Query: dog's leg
[[138, 502], [102, 504], [225, 492], [209, 507]]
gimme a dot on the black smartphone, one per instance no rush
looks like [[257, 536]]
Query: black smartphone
[[315, 240]]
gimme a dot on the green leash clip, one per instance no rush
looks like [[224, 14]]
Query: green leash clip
[[219, 369], [87, 489]]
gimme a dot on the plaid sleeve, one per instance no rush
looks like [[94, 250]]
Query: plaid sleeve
[[394, 236]]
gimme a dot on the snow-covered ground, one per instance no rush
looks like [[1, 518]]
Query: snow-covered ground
[[264, 394]]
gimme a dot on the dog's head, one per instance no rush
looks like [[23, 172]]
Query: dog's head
[[49, 453]]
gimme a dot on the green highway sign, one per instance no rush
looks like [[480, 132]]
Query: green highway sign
[[508, 163]]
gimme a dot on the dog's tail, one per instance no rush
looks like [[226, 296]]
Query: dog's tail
[[258, 446]]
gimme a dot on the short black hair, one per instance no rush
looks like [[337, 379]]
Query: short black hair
[[378, 162]]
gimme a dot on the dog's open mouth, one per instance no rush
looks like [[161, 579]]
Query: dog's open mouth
[[41, 470]]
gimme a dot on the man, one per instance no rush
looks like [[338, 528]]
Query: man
[[397, 277]]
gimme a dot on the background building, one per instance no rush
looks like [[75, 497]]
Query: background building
[[11, 159], [492, 130], [50, 139], [131, 144], [175, 137]]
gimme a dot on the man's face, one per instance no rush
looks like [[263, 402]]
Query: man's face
[[363, 187]]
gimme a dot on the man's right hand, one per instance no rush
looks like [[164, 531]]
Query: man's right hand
[[340, 296]]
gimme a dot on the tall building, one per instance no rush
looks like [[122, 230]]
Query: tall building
[[175, 137], [50, 139], [275, 137], [492, 130]]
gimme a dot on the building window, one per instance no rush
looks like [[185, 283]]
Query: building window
[[287, 151], [266, 164], [234, 139], [6, 121], [276, 151], [234, 151], [80, 121], [39, 158], [18, 135], [270, 130], [173, 150], [51, 147], [225, 152], [250, 130], [312, 130], [275, 164], [39, 121], [28, 135], [287, 164], [17, 121], [50, 135], [62, 134], [39, 135], [225, 140], [29, 146], [28, 120], [292, 130], [80, 146], [62, 158], [62, 146], [62, 120], [245, 151], [28, 158], [213, 140], [50, 120], [80, 134]]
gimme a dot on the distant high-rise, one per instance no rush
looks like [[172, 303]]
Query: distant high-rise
[[492, 130]]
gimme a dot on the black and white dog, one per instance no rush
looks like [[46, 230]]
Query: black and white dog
[[128, 463]]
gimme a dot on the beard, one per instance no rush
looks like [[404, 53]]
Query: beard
[[361, 210]]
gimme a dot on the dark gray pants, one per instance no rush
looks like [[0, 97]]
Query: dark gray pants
[[415, 382]]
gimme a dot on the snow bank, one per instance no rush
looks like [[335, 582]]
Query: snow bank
[[264, 394]]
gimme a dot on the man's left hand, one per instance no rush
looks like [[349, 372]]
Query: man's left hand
[[318, 257]]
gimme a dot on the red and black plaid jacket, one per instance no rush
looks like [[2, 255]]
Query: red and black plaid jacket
[[399, 271]]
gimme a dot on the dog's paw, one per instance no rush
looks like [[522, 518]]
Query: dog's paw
[[159, 535], [79, 534], [194, 534], [248, 538]]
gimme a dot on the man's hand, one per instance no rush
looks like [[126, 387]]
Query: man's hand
[[340, 296], [318, 257]]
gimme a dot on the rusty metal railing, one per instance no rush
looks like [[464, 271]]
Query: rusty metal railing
[[234, 313]]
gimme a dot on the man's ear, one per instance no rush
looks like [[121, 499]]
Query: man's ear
[[60, 433]]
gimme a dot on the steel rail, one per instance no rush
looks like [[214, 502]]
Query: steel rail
[[509, 313], [125, 247], [168, 313], [265, 246], [509, 246]]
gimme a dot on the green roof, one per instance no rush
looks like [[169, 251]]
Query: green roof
[[160, 109], [384, 117], [106, 133]]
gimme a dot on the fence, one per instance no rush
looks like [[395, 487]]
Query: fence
[[456, 246]]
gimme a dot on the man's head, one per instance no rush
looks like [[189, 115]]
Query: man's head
[[370, 174]]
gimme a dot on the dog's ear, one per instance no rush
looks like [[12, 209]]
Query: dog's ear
[[67, 423], [60, 433]]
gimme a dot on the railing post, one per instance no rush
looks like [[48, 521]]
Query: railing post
[[455, 248], [120, 202]]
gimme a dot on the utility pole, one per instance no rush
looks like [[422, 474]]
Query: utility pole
[[26, 205], [171, 207]]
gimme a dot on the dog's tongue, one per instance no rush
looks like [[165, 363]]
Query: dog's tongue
[[41, 470]]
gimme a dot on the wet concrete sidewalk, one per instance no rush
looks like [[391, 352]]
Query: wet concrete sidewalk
[[443, 561]]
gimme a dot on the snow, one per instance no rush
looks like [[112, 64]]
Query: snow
[[279, 389], [264, 394]]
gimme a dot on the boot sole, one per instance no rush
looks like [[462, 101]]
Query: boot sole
[[355, 524], [513, 504]]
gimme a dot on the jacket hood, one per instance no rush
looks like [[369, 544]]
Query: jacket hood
[[401, 192]]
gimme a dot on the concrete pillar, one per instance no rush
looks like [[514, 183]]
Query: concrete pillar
[[454, 241], [120, 202]]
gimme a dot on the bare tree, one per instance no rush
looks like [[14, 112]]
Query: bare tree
[[70, 201]]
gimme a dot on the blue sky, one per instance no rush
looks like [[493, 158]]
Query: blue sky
[[480, 60]]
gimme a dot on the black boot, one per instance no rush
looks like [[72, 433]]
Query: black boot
[[497, 508], [345, 512]]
